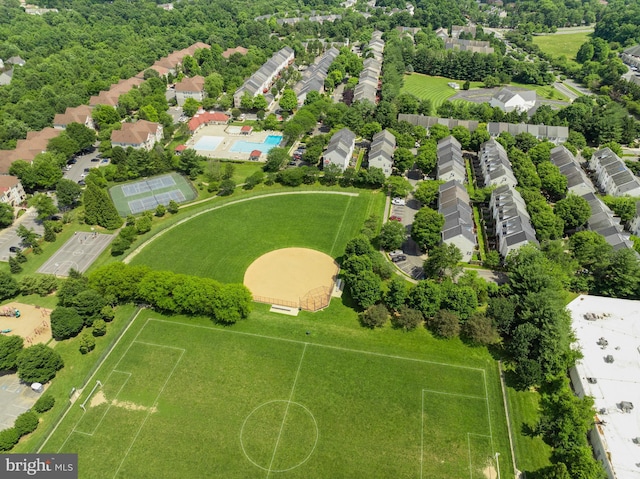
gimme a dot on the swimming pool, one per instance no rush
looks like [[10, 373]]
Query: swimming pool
[[208, 143], [243, 146]]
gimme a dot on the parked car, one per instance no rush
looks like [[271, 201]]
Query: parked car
[[399, 258], [396, 252], [14, 249], [398, 201], [82, 183], [395, 218]]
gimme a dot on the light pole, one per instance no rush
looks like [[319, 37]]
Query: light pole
[[498, 464]]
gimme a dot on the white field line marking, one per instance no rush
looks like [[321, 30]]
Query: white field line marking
[[482, 398], [286, 411], [422, 434], [133, 320], [131, 255], [155, 402], [486, 395], [75, 430], [327, 346], [344, 215]]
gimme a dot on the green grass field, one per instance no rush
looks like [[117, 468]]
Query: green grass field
[[222, 243], [179, 397], [562, 44], [432, 88]]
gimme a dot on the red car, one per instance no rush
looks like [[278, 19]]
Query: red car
[[395, 218]]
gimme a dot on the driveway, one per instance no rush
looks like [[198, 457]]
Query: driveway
[[9, 237]]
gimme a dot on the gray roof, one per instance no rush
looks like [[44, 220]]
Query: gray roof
[[633, 51], [453, 204], [313, 78], [255, 81], [616, 170], [556, 134], [505, 94]]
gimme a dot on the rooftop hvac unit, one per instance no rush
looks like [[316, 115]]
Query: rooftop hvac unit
[[608, 359], [592, 380]]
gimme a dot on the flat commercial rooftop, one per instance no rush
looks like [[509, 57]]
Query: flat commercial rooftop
[[608, 333]]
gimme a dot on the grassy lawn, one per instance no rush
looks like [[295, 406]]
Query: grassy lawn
[[547, 92], [77, 369], [562, 44], [432, 87], [531, 451], [262, 396], [222, 243]]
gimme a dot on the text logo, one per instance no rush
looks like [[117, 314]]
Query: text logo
[[45, 466]]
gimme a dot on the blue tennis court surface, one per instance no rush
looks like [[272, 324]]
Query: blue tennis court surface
[[208, 143], [151, 202], [243, 146]]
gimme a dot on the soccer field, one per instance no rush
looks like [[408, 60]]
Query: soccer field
[[184, 399], [223, 242], [432, 88]]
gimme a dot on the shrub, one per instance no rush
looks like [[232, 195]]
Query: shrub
[[108, 313], [445, 324], [8, 438], [99, 327], [44, 403], [375, 316], [26, 422], [65, 323], [38, 364], [406, 318], [87, 343]]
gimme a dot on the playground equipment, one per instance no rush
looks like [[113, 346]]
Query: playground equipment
[[11, 312], [4, 331]]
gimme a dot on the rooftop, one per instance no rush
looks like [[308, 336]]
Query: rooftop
[[611, 327]]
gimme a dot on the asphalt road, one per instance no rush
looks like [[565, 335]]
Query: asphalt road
[[9, 237]]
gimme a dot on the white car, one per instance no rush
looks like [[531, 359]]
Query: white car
[[398, 202]]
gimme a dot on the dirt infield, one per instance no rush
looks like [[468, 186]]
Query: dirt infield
[[33, 324], [286, 276]]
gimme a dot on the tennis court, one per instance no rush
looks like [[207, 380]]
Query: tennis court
[[145, 195]]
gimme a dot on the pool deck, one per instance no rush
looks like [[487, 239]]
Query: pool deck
[[223, 151]]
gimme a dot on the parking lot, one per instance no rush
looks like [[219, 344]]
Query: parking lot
[[9, 237], [77, 172], [412, 265], [15, 398]]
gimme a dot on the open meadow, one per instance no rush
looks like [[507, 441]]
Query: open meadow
[[558, 44], [432, 88], [180, 397], [223, 242]]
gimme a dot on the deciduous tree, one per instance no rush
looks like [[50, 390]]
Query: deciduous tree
[[38, 364]]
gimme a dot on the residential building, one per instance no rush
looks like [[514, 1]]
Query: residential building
[[230, 51], [381, 151], [207, 118], [554, 134], [607, 333], [142, 134], [454, 204], [260, 82], [604, 221], [6, 76], [16, 60], [474, 46], [313, 78], [509, 99], [369, 80], [11, 191], [79, 114], [512, 222], [190, 88], [457, 30], [578, 183], [27, 149], [340, 149], [634, 225], [450, 166], [495, 165], [612, 175], [631, 56], [442, 33], [111, 96], [428, 121]]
